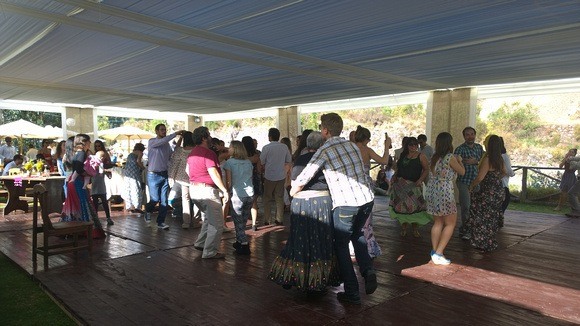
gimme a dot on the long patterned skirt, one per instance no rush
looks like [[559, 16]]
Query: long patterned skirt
[[485, 212], [407, 203], [308, 261], [78, 207]]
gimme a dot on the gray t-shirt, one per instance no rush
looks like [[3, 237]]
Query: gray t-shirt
[[274, 157]]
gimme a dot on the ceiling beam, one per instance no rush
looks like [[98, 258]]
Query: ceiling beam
[[83, 24]]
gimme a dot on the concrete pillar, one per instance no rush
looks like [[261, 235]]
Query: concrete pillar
[[80, 120], [451, 111], [289, 123], [192, 122]]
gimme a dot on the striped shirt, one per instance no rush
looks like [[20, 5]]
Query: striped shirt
[[471, 170], [343, 168]]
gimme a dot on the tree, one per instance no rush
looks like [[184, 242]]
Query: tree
[[520, 120]]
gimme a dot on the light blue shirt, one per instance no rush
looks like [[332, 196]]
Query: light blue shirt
[[159, 153], [9, 166], [7, 152], [242, 185]]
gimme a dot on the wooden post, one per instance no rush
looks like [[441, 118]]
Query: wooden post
[[524, 193]]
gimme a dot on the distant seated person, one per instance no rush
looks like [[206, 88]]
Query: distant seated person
[[93, 165], [384, 178], [32, 152], [16, 163]]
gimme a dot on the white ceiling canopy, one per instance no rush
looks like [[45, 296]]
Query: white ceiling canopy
[[207, 57]]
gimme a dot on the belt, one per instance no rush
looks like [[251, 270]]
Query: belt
[[201, 184], [158, 172]]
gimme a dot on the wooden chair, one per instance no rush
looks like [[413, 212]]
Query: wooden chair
[[59, 229]]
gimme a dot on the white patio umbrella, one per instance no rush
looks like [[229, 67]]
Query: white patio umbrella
[[125, 133], [22, 129]]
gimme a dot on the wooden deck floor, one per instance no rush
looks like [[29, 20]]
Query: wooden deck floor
[[143, 276]]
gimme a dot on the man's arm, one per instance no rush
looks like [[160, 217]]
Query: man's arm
[[315, 164], [217, 179]]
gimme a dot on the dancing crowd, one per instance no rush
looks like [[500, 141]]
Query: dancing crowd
[[325, 184]]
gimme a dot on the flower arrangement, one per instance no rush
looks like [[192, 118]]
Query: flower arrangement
[[37, 165]]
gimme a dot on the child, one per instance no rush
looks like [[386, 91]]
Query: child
[[92, 165], [241, 187]]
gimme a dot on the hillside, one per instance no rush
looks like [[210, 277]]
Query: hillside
[[557, 130]]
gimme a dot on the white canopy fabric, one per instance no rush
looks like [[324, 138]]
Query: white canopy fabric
[[125, 133], [206, 57], [23, 129]]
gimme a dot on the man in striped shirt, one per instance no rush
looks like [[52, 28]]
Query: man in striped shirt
[[352, 201]]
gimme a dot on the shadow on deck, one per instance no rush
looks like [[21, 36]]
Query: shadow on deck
[[144, 276]]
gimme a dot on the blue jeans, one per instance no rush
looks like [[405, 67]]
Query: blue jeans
[[158, 193], [348, 222], [240, 213]]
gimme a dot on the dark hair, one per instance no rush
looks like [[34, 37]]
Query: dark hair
[[187, 139], [99, 143], [502, 145], [107, 157], [80, 139], [69, 148], [274, 134], [18, 157], [249, 145], [468, 128], [215, 142], [199, 134], [139, 147], [301, 144], [443, 146], [409, 141], [159, 126], [59, 151], [422, 137], [361, 134], [494, 153], [286, 141]]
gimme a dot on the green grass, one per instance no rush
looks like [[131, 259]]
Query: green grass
[[537, 208], [24, 302]]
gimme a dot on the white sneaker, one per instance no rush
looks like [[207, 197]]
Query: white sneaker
[[163, 226], [440, 259]]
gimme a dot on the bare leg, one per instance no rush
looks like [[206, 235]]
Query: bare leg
[[404, 229], [561, 201], [436, 231], [416, 233], [447, 233], [254, 211]]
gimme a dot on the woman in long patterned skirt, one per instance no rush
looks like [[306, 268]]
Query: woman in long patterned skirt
[[485, 210], [307, 261], [407, 203], [78, 205]]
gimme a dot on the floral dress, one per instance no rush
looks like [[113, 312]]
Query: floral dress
[[439, 192], [485, 211]]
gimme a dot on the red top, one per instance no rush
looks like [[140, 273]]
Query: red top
[[200, 159]]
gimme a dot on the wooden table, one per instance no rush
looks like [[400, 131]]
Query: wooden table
[[16, 186]]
